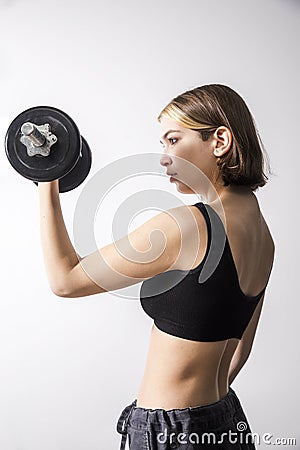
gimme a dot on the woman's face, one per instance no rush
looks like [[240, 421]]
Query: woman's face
[[185, 154]]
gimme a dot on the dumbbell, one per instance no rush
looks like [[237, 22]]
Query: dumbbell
[[44, 144]]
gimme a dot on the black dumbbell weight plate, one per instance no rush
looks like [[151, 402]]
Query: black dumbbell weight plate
[[63, 155], [79, 172]]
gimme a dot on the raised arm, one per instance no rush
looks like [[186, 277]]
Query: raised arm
[[149, 250], [59, 254]]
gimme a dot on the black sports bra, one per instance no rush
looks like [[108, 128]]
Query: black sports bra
[[205, 303]]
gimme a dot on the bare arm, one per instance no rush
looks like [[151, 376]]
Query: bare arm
[[133, 258], [244, 347], [59, 255]]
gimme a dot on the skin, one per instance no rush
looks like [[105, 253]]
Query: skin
[[178, 372]]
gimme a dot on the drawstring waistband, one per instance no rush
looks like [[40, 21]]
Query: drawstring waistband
[[122, 423], [215, 414]]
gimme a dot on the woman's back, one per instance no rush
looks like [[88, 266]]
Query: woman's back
[[182, 372]]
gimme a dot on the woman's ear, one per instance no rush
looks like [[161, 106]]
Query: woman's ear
[[222, 141]]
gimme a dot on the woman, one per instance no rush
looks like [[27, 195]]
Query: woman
[[203, 329]]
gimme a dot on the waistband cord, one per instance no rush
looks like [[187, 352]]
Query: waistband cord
[[122, 423]]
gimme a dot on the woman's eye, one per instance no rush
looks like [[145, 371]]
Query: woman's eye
[[171, 140]]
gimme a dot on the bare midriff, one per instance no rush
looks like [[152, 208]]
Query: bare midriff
[[181, 373]]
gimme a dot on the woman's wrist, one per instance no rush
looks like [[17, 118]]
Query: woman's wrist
[[52, 185]]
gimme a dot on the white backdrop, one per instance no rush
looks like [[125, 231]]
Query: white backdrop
[[69, 366]]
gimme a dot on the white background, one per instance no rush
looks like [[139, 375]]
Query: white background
[[69, 366]]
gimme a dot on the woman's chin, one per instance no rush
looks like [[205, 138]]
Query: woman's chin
[[181, 187]]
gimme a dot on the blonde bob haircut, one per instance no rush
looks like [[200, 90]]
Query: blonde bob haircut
[[208, 107]]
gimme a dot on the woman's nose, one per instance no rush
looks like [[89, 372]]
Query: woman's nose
[[165, 160]]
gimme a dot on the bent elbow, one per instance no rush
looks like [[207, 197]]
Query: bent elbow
[[61, 292]]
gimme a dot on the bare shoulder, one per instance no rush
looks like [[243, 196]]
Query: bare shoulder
[[185, 232], [250, 221]]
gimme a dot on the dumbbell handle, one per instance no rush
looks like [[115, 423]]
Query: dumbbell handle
[[30, 130]]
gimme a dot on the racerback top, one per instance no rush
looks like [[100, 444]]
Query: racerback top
[[205, 303]]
